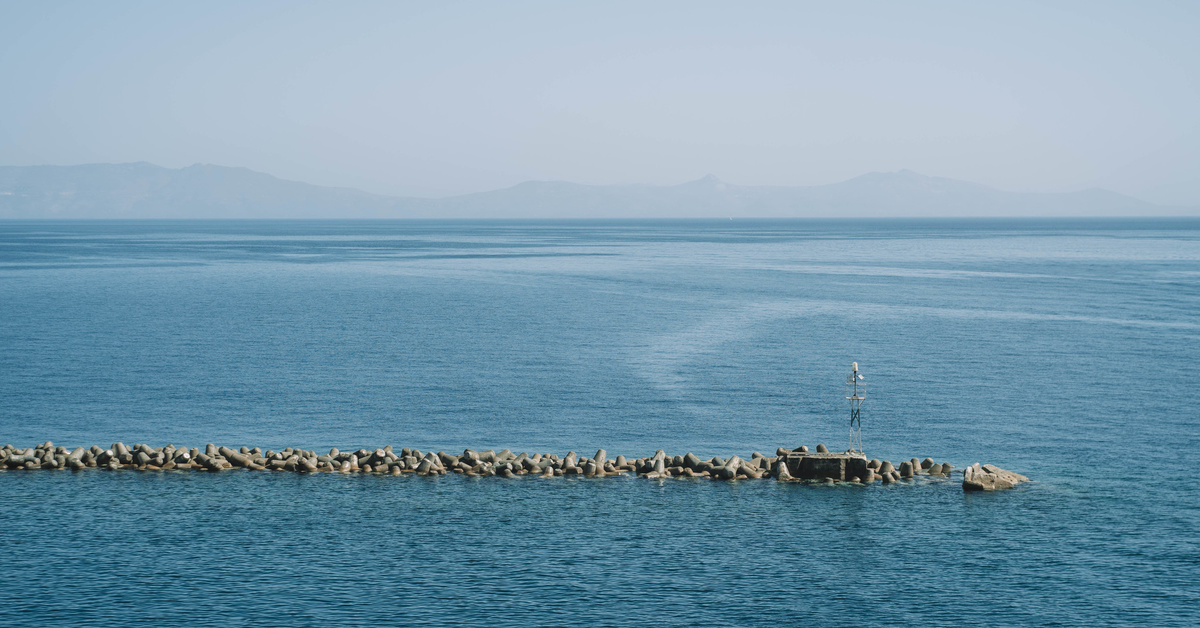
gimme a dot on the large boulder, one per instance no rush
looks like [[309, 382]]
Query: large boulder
[[989, 477]]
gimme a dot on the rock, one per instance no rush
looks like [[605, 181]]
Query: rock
[[990, 478], [781, 451], [600, 457], [822, 449], [927, 463], [946, 468], [906, 469], [869, 477], [691, 461], [874, 464], [802, 449], [886, 467]]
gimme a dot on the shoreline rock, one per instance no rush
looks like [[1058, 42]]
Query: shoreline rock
[[989, 477]]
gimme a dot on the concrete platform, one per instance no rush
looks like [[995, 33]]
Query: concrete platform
[[818, 466]]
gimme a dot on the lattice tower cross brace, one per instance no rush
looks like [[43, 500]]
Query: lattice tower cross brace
[[857, 395]]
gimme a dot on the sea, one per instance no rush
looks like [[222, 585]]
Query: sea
[[1065, 350]]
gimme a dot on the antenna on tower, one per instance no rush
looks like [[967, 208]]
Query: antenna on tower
[[856, 397]]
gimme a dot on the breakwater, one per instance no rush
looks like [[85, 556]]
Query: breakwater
[[797, 464]]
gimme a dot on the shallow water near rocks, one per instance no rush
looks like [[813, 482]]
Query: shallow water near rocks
[[1064, 350]]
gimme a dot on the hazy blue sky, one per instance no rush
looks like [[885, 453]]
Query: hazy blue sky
[[447, 97]]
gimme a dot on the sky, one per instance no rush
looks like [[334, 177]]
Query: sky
[[440, 98]]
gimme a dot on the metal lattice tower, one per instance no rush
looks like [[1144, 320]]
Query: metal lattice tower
[[856, 396]]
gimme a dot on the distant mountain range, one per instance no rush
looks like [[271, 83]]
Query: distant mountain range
[[142, 190]]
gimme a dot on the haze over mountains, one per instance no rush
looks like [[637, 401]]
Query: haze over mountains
[[145, 191]]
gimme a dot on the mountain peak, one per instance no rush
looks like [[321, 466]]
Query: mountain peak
[[708, 181]]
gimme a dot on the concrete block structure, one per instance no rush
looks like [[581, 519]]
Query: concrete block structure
[[818, 466]]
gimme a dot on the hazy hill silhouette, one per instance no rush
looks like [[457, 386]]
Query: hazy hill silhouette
[[142, 190]]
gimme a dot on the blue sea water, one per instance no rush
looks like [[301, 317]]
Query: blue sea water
[[1067, 350]]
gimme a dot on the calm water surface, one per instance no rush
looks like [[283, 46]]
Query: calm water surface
[[1066, 350]]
